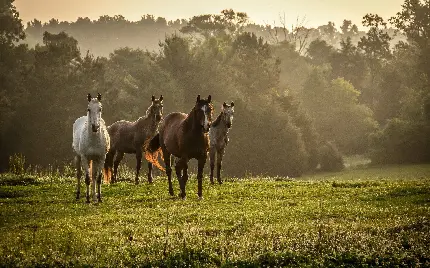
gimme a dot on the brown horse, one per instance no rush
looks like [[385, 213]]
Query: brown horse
[[130, 137], [219, 138], [185, 137]]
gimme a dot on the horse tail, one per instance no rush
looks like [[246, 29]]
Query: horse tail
[[154, 144], [107, 170], [152, 149]]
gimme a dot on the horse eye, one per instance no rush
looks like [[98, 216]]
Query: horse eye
[[89, 110]]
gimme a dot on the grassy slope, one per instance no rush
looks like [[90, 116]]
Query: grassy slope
[[377, 216]]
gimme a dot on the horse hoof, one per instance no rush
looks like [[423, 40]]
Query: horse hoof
[[99, 201], [172, 193], [200, 197], [88, 201], [219, 182]]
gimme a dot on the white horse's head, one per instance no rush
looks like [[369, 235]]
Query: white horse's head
[[94, 112], [228, 113]]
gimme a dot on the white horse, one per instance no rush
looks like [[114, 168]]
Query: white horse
[[91, 142]]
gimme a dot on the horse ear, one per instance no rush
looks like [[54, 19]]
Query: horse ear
[[232, 104], [153, 98], [198, 98], [89, 97], [161, 98], [224, 105], [99, 96], [209, 98]]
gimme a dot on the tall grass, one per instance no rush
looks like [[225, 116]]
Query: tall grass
[[360, 217]]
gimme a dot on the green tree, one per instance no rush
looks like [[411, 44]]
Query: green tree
[[319, 52], [335, 110]]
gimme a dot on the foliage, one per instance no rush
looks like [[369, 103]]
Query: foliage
[[367, 217], [401, 141], [338, 116], [329, 158], [17, 164], [11, 28], [289, 105]]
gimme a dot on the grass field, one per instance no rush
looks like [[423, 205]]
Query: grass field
[[358, 218]]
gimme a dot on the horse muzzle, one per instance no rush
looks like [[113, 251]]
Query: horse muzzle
[[158, 117], [229, 125]]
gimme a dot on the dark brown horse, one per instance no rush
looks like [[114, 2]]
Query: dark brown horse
[[185, 137], [129, 138]]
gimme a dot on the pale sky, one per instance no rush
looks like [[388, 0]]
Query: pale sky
[[316, 12]]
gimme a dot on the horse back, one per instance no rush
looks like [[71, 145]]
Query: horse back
[[171, 132], [122, 136]]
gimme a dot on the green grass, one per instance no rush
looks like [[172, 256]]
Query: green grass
[[358, 218]]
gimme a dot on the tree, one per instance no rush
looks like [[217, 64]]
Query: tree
[[319, 51], [348, 29], [414, 21], [228, 23], [329, 33], [334, 108], [11, 28]]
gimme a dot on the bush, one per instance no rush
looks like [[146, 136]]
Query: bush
[[400, 142], [329, 158]]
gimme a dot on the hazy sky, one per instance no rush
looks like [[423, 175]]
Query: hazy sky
[[316, 12]]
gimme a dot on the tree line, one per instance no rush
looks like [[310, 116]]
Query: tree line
[[303, 97]]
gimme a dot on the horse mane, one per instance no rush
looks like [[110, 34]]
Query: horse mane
[[217, 120], [189, 121]]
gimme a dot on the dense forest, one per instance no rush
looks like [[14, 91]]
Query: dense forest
[[304, 97]]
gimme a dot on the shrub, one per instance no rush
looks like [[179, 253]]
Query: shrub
[[401, 141], [329, 158]]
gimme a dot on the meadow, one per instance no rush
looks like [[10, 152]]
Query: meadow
[[369, 216]]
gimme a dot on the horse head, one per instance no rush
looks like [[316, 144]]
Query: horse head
[[228, 113], [94, 112], [156, 108], [204, 110]]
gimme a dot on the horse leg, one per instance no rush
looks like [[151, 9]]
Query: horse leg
[[166, 156], [78, 175], [185, 173], [138, 165], [86, 165], [95, 173], [212, 154], [178, 167], [200, 166], [149, 172], [99, 182], [118, 159], [218, 166]]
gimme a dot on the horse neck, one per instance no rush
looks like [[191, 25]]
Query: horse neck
[[146, 123], [191, 123], [220, 124]]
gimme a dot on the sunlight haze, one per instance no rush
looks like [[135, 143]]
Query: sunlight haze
[[315, 12]]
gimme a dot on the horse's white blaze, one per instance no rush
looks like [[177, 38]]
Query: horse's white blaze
[[206, 122], [94, 114]]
